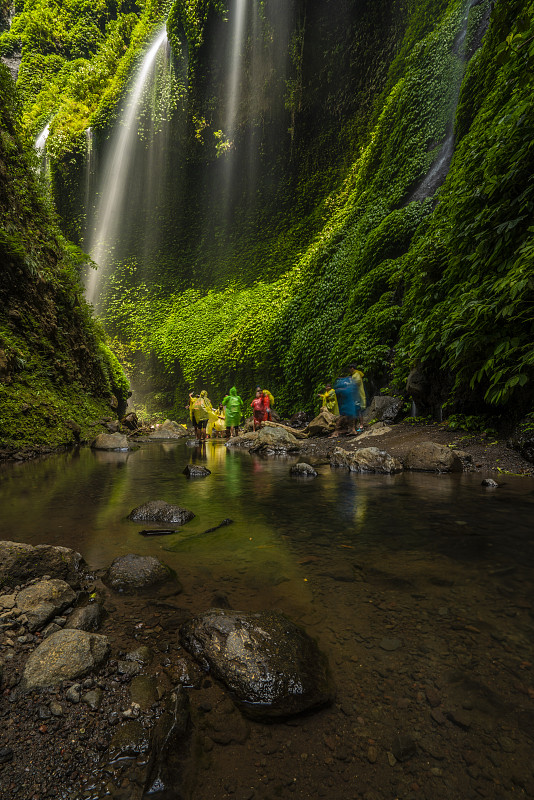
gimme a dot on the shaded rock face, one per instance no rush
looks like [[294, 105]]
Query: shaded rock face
[[111, 441], [43, 600], [432, 457], [368, 459], [131, 572], [299, 420], [196, 471], [22, 562], [160, 511], [322, 425], [303, 470], [417, 385], [522, 439], [270, 664], [384, 408], [274, 440], [65, 655]]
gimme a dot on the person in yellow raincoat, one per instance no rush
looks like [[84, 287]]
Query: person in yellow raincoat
[[357, 376], [217, 427], [203, 412], [329, 400]]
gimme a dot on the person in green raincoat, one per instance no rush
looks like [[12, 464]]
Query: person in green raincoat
[[203, 413], [233, 406]]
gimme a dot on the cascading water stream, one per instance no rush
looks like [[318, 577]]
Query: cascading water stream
[[440, 167], [40, 147], [109, 209]]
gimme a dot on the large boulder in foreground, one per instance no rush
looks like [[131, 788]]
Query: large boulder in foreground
[[160, 511], [111, 441], [323, 424], [43, 600], [20, 563], [271, 665], [131, 572], [274, 440], [65, 655], [367, 459], [432, 457]]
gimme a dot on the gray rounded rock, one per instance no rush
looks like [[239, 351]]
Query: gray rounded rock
[[111, 441], [131, 572], [160, 511], [303, 470], [66, 655], [271, 665]]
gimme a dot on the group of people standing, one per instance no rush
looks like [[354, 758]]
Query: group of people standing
[[226, 419], [346, 398]]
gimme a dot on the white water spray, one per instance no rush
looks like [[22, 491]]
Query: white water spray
[[236, 70], [116, 168]]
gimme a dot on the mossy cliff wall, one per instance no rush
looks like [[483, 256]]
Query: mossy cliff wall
[[296, 237], [57, 374]]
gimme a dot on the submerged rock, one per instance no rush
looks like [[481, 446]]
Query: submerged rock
[[43, 600], [86, 618], [303, 470], [160, 511], [196, 471], [270, 664], [111, 441], [274, 440], [131, 572], [432, 457], [367, 459], [65, 655], [169, 750], [22, 562]]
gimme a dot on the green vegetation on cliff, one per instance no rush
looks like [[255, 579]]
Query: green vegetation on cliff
[[327, 249], [57, 374]]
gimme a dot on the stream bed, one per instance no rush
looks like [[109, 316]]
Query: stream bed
[[418, 587]]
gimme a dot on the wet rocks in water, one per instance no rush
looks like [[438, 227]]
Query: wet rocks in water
[[130, 740], [43, 600], [432, 457], [403, 747], [270, 664], [86, 618], [22, 562], [367, 459], [131, 572], [66, 655], [111, 441], [490, 483], [322, 425], [196, 471], [303, 470], [274, 440], [169, 430], [160, 511], [169, 748]]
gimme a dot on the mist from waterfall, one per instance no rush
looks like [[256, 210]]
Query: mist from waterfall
[[109, 213]]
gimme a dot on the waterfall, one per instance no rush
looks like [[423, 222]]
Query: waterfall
[[109, 211], [440, 167], [40, 147]]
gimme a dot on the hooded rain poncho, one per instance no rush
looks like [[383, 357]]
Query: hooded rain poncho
[[233, 405]]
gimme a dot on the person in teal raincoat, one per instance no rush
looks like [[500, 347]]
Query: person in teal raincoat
[[233, 406]]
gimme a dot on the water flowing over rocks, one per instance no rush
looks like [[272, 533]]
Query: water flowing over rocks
[[111, 441], [43, 600], [272, 667], [131, 572], [65, 655], [22, 562], [367, 459], [432, 457], [160, 511], [274, 440]]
